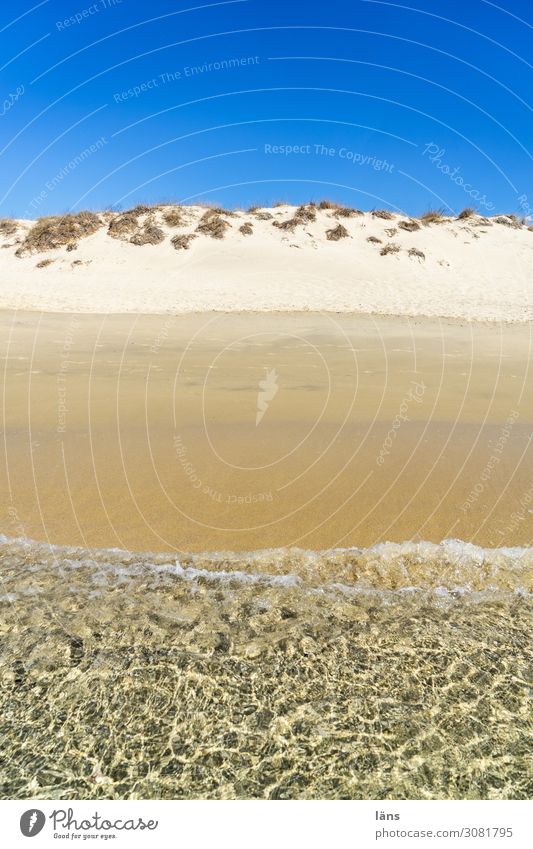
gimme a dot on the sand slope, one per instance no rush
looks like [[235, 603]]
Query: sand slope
[[472, 269]]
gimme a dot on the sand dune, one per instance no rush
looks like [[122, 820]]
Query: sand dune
[[167, 259]]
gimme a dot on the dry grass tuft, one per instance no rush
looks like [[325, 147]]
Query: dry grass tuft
[[411, 225], [44, 263], [246, 229], [391, 248], [173, 217], [56, 231], [303, 215], [126, 224], [530, 228], [290, 224], [374, 240], [182, 243], [391, 231], [143, 208], [414, 252], [220, 210], [347, 212], [509, 221], [329, 204], [433, 216], [382, 213], [214, 209], [211, 224], [467, 212], [7, 227], [336, 233], [149, 235], [264, 216], [123, 225], [306, 212], [252, 209]]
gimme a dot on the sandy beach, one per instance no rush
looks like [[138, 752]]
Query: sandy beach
[[266, 405], [266, 507], [142, 432]]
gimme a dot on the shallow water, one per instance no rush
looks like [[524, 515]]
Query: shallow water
[[391, 672]]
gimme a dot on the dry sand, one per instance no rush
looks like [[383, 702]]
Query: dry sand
[[475, 269], [140, 431]]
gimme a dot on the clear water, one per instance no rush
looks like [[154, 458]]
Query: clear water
[[394, 672]]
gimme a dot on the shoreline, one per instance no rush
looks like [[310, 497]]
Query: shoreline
[[415, 318], [445, 569]]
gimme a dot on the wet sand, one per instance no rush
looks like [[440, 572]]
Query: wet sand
[[141, 432]]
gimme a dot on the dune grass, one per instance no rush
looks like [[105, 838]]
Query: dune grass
[[211, 224], [56, 231], [347, 212], [182, 242], [329, 204], [336, 233], [173, 217], [510, 220], [303, 215], [7, 227], [433, 216], [391, 248], [149, 235], [124, 225], [410, 225], [467, 212], [382, 213]]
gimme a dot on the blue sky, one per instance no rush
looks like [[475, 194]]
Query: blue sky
[[407, 106]]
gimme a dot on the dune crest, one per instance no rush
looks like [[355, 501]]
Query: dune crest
[[325, 257]]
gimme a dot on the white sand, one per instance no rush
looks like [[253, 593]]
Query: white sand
[[472, 270]]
